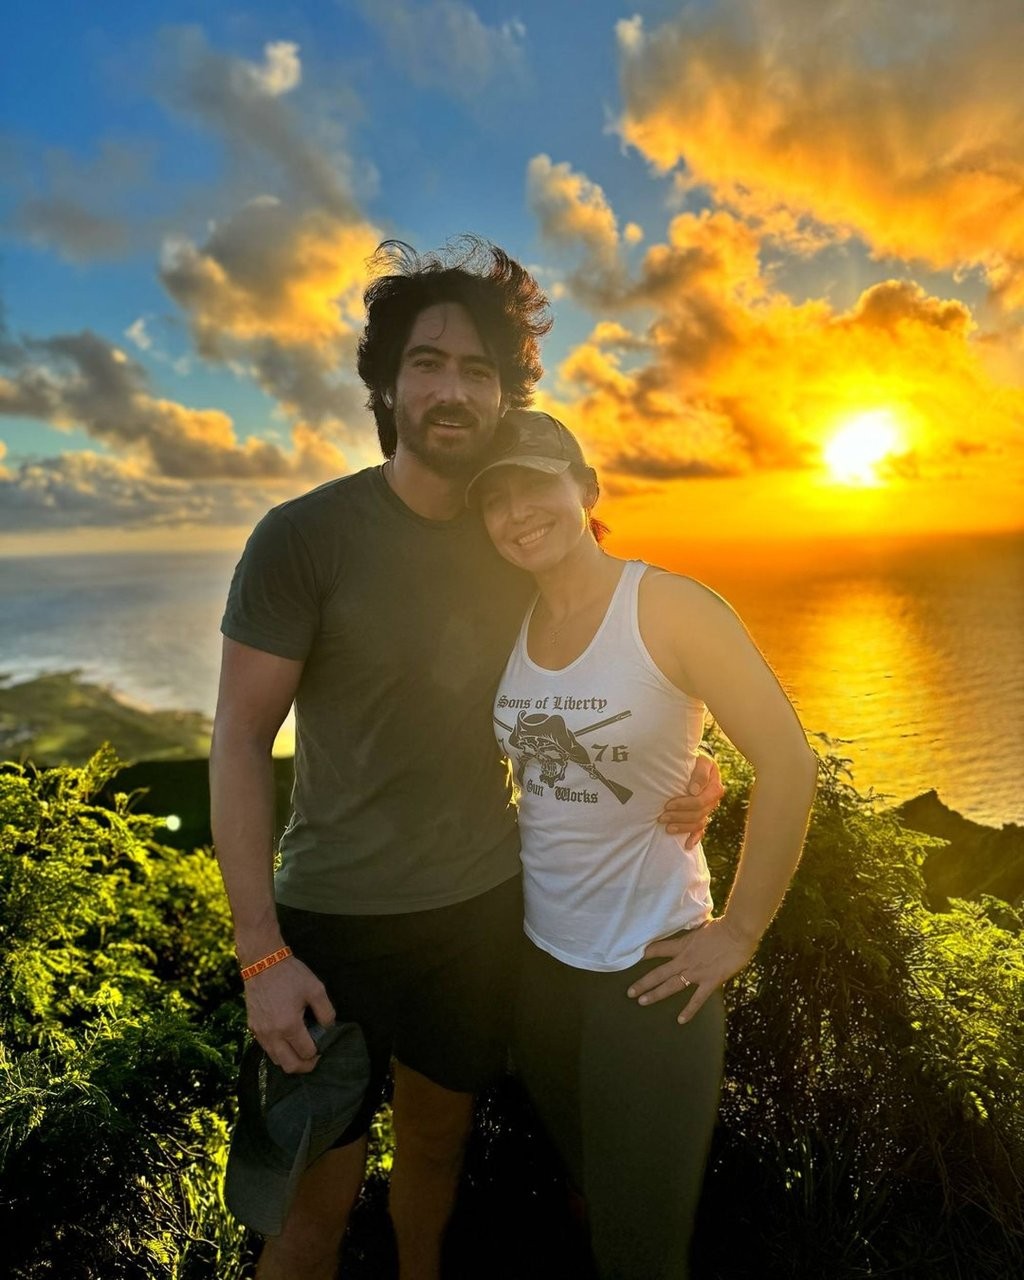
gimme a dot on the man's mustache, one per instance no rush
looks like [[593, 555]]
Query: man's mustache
[[457, 415]]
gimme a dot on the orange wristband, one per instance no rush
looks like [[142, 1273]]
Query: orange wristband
[[251, 970]]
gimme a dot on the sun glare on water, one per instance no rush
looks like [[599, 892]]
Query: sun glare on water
[[853, 454]]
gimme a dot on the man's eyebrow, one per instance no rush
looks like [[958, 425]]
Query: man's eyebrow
[[425, 349]]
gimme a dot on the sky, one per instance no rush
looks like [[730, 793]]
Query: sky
[[783, 242]]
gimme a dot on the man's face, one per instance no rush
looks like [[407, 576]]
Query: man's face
[[447, 392]]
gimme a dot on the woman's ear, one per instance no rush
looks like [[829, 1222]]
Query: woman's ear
[[591, 489]]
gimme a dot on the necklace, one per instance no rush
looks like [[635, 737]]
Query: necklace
[[597, 602], [577, 615]]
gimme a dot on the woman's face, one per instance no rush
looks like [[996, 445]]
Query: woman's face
[[534, 520]]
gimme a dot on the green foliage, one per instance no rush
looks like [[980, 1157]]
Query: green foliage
[[97, 918], [872, 1121], [121, 1029], [873, 1115]]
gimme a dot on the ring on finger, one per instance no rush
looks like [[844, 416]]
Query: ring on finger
[[684, 980]]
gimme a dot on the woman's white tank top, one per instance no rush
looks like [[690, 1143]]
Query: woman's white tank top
[[597, 748]]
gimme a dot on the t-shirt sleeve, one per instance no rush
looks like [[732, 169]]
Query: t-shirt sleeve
[[273, 601]]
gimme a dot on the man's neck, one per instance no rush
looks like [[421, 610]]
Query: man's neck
[[422, 490]]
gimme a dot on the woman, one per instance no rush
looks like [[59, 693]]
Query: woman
[[600, 709]]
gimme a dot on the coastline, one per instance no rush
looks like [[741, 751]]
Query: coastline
[[62, 718]]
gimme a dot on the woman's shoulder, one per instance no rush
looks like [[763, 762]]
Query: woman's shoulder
[[681, 621], [667, 592]]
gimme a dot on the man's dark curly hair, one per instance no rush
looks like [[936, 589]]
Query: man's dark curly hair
[[507, 305]]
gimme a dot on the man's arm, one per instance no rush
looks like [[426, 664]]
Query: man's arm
[[256, 691], [690, 813]]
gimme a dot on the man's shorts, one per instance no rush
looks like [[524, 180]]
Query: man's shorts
[[433, 988]]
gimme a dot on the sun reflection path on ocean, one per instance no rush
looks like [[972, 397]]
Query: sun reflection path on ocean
[[912, 664], [863, 650]]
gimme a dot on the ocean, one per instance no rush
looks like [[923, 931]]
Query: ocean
[[908, 656]]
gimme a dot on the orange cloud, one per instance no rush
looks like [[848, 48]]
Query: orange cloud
[[898, 123], [730, 377], [574, 212], [271, 272], [280, 291]]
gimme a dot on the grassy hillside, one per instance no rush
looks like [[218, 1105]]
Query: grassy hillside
[[59, 718]]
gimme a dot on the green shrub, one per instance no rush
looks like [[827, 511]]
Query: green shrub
[[872, 1121], [121, 1029]]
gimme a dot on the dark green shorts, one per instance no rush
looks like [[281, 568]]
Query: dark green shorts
[[432, 988]]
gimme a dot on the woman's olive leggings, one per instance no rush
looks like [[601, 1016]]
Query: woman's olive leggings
[[629, 1098]]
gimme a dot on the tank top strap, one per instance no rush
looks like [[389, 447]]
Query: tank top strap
[[621, 627], [519, 648]]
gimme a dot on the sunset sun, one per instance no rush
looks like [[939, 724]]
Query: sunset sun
[[854, 452]]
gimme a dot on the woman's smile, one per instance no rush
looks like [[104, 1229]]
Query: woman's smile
[[532, 536]]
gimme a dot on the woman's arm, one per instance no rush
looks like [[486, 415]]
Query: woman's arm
[[703, 648]]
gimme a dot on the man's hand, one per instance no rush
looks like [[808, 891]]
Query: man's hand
[[690, 812], [703, 959], [276, 1001]]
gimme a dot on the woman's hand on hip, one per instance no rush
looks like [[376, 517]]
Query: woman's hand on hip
[[700, 962]]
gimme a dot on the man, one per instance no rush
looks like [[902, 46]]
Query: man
[[378, 606]]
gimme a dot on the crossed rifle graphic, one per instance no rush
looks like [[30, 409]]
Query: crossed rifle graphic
[[548, 741]]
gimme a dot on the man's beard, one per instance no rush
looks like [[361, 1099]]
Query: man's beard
[[458, 459]]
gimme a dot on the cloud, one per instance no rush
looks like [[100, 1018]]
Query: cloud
[[280, 290], [247, 104], [444, 44], [729, 376], [609, 333], [281, 71], [270, 270], [90, 490], [80, 207], [575, 216], [81, 380], [574, 213], [276, 288], [898, 123], [274, 293], [138, 334], [77, 232], [115, 202], [893, 303]]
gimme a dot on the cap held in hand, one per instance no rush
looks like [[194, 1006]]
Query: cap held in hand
[[286, 1121]]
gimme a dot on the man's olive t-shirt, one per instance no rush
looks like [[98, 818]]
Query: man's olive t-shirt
[[402, 800]]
